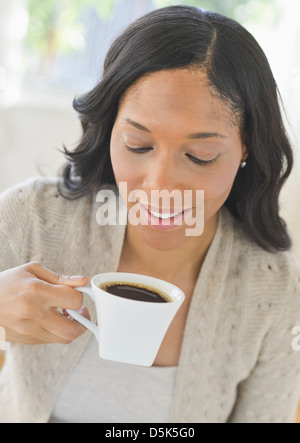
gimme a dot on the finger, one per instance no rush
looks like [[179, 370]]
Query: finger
[[82, 311], [51, 331], [13, 337], [73, 281], [43, 294], [64, 297], [32, 334], [63, 327], [56, 279]]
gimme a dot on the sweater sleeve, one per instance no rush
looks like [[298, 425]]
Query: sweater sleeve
[[14, 216], [15, 206], [271, 392]]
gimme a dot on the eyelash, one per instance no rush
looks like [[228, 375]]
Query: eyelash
[[195, 160]]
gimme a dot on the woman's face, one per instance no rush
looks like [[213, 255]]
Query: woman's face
[[173, 133]]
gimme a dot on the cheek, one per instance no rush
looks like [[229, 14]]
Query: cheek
[[218, 186], [119, 166], [119, 161], [126, 168]]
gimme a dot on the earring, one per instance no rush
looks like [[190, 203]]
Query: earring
[[243, 164]]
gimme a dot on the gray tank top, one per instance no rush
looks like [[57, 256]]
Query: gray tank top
[[101, 391]]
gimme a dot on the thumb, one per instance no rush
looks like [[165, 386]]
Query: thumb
[[56, 279], [73, 281]]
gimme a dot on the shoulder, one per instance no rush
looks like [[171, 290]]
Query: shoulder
[[264, 288], [268, 282], [23, 194], [246, 252], [29, 187], [34, 211], [38, 197], [38, 200]]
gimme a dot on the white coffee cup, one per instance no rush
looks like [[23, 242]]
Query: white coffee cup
[[130, 331]]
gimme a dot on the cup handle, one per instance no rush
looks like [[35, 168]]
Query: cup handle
[[80, 318]]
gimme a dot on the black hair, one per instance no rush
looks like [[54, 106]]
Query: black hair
[[237, 70]]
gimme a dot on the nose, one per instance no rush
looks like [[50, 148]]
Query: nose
[[162, 174]]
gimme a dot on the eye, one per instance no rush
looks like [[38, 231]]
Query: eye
[[198, 161], [138, 150]]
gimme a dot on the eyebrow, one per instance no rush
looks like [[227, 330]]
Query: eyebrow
[[196, 136]]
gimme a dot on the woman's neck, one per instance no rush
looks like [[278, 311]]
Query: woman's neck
[[183, 261]]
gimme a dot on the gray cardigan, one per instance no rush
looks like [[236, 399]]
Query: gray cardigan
[[237, 363]]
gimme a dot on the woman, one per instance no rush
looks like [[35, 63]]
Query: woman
[[187, 102]]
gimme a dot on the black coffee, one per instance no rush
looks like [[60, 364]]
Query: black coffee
[[135, 291]]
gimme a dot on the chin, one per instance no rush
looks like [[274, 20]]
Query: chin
[[164, 241]]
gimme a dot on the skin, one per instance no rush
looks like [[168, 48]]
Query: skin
[[164, 111], [29, 297]]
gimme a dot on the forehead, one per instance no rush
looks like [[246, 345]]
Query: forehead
[[179, 93]]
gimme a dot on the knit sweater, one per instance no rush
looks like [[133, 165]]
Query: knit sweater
[[237, 363]]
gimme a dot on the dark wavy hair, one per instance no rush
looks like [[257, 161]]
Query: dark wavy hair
[[237, 70]]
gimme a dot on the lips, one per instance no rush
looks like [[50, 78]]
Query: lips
[[163, 211], [163, 219], [164, 216]]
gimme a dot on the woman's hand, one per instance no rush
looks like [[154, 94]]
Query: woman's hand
[[30, 296]]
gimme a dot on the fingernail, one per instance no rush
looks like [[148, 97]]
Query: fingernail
[[76, 277]]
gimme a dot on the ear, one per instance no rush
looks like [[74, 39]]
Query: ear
[[245, 152]]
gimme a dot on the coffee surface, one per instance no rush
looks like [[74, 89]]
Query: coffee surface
[[135, 291]]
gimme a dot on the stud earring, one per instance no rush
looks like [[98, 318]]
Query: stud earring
[[243, 164]]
